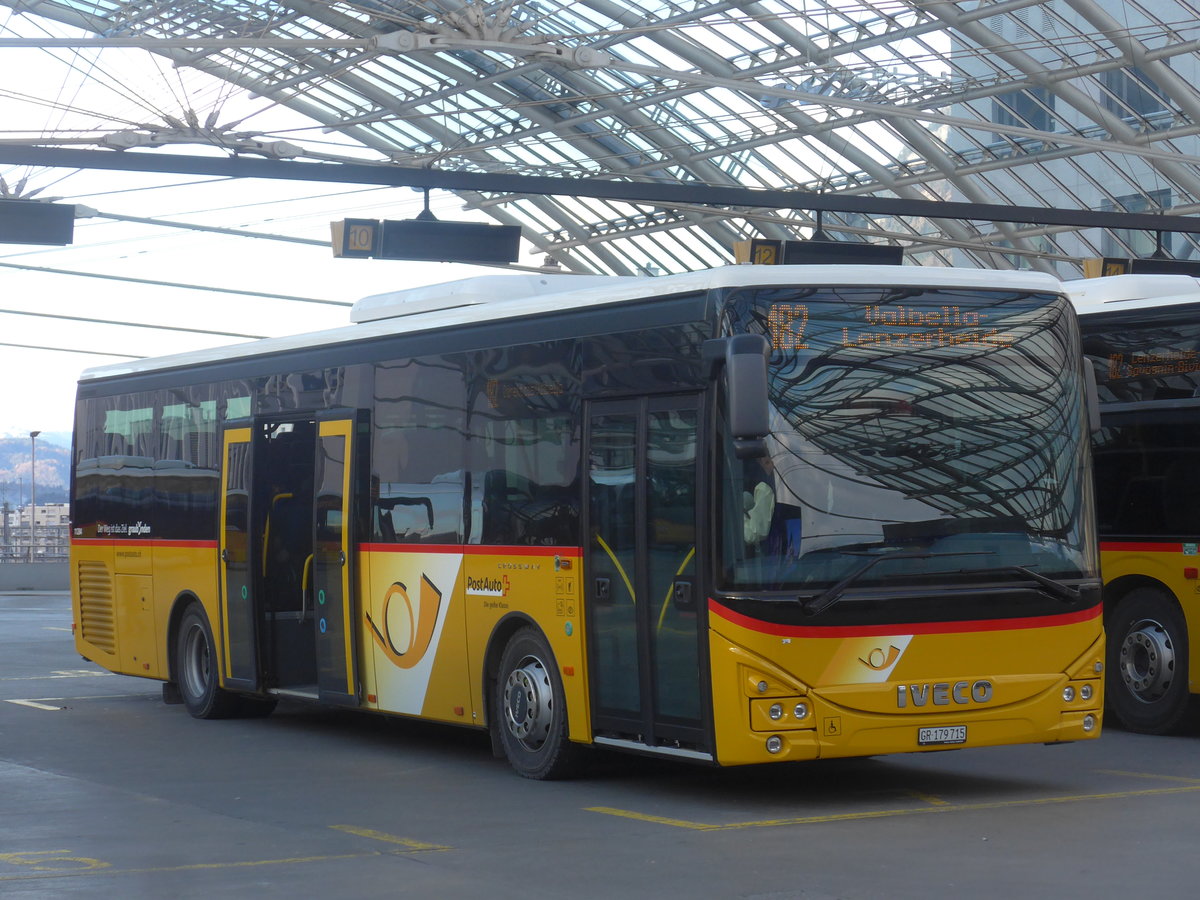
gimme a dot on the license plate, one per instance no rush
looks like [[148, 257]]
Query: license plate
[[942, 734]]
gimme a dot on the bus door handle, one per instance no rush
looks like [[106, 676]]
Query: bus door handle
[[603, 591], [683, 595], [304, 579]]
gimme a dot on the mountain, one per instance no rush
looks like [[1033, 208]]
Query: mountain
[[53, 471]]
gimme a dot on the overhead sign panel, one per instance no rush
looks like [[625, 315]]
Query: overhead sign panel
[[32, 222], [1117, 265], [428, 240], [767, 252], [356, 238]]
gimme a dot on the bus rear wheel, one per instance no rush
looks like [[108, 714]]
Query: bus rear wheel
[[530, 710], [196, 668], [1148, 662]]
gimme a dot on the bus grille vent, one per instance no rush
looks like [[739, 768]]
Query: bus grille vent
[[96, 608]]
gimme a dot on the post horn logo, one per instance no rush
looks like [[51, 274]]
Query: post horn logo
[[879, 659], [407, 632]]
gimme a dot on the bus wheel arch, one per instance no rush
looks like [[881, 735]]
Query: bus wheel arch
[[178, 608], [501, 635], [1147, 649], [195, 669], [527, 714]]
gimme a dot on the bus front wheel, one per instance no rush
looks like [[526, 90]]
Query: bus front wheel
[[196, 668], [1148, 662], [530, 710]]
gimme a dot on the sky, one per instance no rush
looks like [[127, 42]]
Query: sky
[[41, 382]]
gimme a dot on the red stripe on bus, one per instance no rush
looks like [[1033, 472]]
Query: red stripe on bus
[[468, 549], [838, 631], [1141, 547], [472, 549]]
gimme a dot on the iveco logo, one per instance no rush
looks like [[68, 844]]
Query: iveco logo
[[943, 693]]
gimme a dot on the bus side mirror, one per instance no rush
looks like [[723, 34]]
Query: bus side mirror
[[749, 413]]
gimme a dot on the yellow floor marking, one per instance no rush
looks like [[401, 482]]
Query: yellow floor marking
[[388, 838], [1150, 775], [928, 798], [888, 813], [657, 820], [76, 873]]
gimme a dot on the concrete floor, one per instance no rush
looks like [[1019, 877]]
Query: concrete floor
[[106, 792]]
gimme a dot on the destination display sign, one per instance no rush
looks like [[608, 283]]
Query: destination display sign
[[891, 326], [1152, 364]]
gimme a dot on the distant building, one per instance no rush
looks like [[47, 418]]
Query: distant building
[[51, 532]]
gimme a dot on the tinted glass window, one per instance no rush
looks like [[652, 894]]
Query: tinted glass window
[[1147, 467], [418, 479], [915, 434], [525, 445]]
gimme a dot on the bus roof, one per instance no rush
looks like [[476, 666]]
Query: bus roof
[[1092, 295], [492, 297]]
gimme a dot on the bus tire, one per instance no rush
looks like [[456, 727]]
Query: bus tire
[[1148, 662], [196, 664], [530, 710]]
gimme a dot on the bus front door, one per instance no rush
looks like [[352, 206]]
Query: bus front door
[[645, 614], [239, 622], [286, 561], [332, 575]]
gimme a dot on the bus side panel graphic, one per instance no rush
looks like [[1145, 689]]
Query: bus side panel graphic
[[413, 619]]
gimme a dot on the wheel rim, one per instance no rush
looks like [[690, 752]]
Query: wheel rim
[[195, 665], [1147, 660], [529, 703]]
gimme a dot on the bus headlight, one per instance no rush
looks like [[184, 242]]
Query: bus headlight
[[1069, 693], [775, 712], [1089, 722], [1085, 692], [774, 743], [800, 711]]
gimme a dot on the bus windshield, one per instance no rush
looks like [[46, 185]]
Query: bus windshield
[[918, 437]]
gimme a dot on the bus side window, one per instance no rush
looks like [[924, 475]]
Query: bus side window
[[1181, 495], [1141, 506]]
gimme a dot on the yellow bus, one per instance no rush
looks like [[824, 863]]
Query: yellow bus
[[1142, 336], [751, 514]]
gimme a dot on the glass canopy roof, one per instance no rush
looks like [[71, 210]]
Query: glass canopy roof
[[1077, 104]]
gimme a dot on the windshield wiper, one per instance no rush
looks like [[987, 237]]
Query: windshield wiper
[[831, 595], [1057, 589]]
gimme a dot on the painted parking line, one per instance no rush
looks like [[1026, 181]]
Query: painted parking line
[[64, 863], [63, 673], [406, 843], [52, 865], [34, 704], [46, 703], [1149, 775], [938, 809]]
